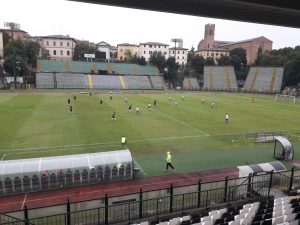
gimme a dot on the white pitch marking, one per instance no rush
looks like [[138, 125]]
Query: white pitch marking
[[145, 174], [3, 156], [24, 201]]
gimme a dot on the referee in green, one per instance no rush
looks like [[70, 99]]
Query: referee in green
[[169, 162]]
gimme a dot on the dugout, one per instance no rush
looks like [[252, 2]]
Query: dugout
[[64, 171], [276, 166], [283, 149]]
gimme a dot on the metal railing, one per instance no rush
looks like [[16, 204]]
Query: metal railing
[[248, 189]]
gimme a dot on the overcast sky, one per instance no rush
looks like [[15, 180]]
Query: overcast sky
[[117, 25]]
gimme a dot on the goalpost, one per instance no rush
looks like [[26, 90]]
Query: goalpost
[[286, 98]]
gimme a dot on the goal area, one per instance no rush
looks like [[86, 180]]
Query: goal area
[[285, 98]]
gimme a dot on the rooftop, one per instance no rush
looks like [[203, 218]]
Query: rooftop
[[153, 43]]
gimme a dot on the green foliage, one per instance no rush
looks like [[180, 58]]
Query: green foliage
[[83, 47], [32, 49], [141, 60], [224, 60], [158, 59], [197, 63], [241, 53], [210, 61]]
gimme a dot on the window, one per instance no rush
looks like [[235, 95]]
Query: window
[[165, 53], [217, 54], [121, 50], [144, 52], [182, 52], [47, 43], [212, 54], [61, 52], [182, 57], [68, 52], [150, 52], [207, 54], [177, 57], [54, 43], [61, 44], [165, 46], [154, 46], [159, 46], [68, 44], [54, 52], [144, 46], [173, 52], [178, 52], [150, 46], [47, 51]]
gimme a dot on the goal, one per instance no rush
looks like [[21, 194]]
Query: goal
[[285, 98]]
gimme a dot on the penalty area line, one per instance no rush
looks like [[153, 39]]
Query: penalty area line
[[145, 174]]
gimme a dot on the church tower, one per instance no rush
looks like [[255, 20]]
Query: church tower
[[209, 37]]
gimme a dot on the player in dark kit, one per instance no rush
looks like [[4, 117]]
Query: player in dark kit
[[129, 108], [154, 104], [71, 109], [69, 101], [113, 116], [75, 98]]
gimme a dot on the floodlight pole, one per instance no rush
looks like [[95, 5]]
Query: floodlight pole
[[175, 40]]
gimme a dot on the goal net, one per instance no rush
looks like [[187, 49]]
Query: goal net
[[285, 98]]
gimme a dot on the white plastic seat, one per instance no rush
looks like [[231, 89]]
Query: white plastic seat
[[240, 216], [222, 211], [205, 218], [215, 217], [244, 210], [277, 213], [236, 222], [295, 222], [174, 221], [208, 223], [213, 212], [288, 211], [289, 218], [277, 220], [184, 218]]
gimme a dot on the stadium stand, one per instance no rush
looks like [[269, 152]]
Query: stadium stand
[[138, 82], [219, 78], [284, 211], [67, 80], [88, 67], [264, 79], [157, 82], [45, 80], [106, 82], [191, 84]]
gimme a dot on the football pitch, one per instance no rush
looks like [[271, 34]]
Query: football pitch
[[39, 124]]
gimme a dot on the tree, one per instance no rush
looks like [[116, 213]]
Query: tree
[[32, 49], [6, 38], [210, 61], [241, 53], [197, 63], [18, 47], [191, 54], [83, 47], [141, 60], [259, 58], [159, 60], [172, 67], [224, 60], [45, 54]]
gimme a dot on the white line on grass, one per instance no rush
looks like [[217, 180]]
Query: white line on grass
[[24, 201], [145, 174], [3, 156], [185, 124]]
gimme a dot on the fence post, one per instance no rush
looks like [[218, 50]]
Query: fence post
[[68, 213], [141, 204], [225, 189], [199, 193], [106, 209], [249, 186], [171, 197], [291, 179], [270, 183], [26, 219]]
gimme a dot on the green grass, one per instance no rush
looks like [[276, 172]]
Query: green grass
[[39, 124]]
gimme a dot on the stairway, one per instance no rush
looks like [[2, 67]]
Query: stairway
[[210, 78], [151, 83], [54, 80], [273, 80], [227, 78], [254, 78]]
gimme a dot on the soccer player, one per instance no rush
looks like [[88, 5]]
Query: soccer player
[[203, 100], [101, 101], [69, 101], [137, 110], [126, 100], [129, 108], [90, 93], [170, 98], [113, 116], [212, 105], [154, 103], [149, 107], [226, 118], [75, 98], [182, 98], [110, 97], [169, 162], [71, 109], [175, 103], [123, 140]]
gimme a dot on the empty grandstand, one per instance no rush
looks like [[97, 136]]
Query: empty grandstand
[[219, 78], [264, 79], [45, 80], [95, 68], [190, 84]]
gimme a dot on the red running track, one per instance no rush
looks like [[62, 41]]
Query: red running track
[[85, 193]]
